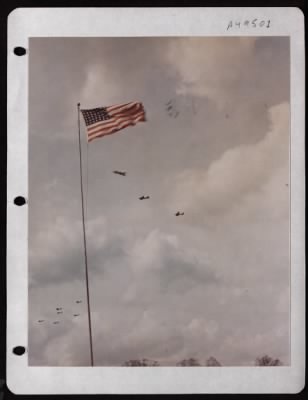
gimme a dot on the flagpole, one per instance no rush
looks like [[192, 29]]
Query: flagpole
[[84, 240]]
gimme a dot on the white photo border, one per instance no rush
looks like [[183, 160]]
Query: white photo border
[[24, 23]]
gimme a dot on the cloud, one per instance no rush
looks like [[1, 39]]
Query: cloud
[[56, 254], [210, 67], [240, 172], [228, 70]]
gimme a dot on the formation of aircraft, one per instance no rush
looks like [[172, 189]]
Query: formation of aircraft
[[171, 109], [59, 310]]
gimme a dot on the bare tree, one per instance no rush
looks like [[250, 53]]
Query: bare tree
[[141, 363], [212, 362], [267, 361], [190, 362]]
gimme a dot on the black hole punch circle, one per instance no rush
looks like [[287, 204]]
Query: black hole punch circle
[[19, 51], [19, 201], [19, 350]]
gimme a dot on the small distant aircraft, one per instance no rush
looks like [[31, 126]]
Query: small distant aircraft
[[59, 312], [144, 197], [59, 308], [78, 301], [170, 108], [40, 320], [179, 213], [119, 173], [76, 315], [56, 322]]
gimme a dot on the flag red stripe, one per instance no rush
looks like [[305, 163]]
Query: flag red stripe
[[123, 114], [101, 134], [125, 111], [114, 130], [116, 127], [117, 124], [110, 123], [119, 106]]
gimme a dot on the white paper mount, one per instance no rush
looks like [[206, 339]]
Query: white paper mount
[[24, 23]]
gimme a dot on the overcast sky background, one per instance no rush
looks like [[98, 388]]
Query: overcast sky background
[[214, 282]]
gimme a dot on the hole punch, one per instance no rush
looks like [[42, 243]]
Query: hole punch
[[19, 201], [19, 350], [19, 51]]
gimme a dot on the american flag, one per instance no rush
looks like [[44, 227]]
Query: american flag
[[107, 120]]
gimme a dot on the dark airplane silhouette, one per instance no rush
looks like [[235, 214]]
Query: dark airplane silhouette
[[178, 213], [119, 173], [59, 308], [56, 322], [78, 301], [76, 315], [144, 197], [59, 312], [40, 320], [170, 108]]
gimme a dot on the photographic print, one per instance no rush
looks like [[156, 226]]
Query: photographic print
[[185, 163], [158, 201]]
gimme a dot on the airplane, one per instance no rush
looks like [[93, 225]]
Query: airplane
[[56, 322], [59, 308], [78, 301], [119, 173], [144, 197], [178, 213], [59, 312], [40, 320], [76, 315]]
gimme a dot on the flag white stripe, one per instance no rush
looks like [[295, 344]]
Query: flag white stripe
[[114, 117], [115, 122], [121, 106], [116, 128]]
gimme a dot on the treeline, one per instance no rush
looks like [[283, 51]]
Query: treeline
[[264, 361]]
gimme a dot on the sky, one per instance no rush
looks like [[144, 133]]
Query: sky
[[213, 282]]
